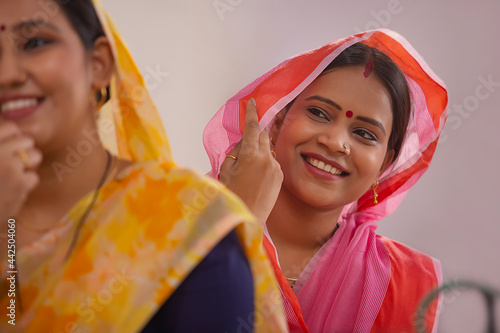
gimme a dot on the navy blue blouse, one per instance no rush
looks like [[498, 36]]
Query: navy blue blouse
[[218, 295]]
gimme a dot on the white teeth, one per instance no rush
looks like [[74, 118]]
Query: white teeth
[[18, 104], [322, 166]]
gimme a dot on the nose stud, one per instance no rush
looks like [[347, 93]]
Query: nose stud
[[347, 151]]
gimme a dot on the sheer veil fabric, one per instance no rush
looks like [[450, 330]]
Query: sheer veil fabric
[[354, 269], [147, 230]]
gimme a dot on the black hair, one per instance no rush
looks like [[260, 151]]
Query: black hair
[[82, 16]]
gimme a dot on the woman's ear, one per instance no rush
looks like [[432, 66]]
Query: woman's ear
[[101, 63], [389, 157], [277, 123]]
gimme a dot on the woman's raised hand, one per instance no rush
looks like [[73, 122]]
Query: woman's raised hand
[[253, 174], [18, 161]]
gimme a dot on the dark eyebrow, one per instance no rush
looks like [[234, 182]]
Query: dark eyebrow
[[335, 105], [34, 24], [373, 122], [325, 100]]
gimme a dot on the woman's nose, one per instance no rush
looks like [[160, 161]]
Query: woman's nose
[[336, 141], [12, 73]]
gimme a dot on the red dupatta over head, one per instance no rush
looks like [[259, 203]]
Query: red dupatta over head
[[345, 285]]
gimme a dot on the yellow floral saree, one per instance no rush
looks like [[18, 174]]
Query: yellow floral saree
[[148, 229]]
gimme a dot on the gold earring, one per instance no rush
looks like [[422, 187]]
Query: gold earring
[[273, 152], [375, 194], [103, 97]]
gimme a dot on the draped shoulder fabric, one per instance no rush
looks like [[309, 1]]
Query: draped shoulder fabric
[[148, 229], [357, 281]]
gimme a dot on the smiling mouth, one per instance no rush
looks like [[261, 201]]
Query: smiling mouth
[[324, 167], [18, 104]]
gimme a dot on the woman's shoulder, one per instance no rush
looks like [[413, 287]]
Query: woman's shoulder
[[168, 186], [413, 275], [167, 204], [170, 171], [161, 176], [409, 261]]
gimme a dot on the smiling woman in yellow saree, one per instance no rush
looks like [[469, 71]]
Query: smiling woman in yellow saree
[[104, 241]]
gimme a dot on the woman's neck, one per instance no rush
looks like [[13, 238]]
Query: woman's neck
[[293, 223], [66, 175], [298, 231]]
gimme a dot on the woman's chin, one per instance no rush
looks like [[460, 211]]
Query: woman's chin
[[319, 199]]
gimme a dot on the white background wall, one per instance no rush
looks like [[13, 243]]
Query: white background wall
[[453, 213]]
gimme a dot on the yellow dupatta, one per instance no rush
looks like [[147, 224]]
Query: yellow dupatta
[[145, 233]]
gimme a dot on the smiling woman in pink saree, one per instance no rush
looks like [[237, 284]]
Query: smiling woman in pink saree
[[353, 125]]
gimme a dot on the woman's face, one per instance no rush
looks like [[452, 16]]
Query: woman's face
[[341, 107], [45, 73]]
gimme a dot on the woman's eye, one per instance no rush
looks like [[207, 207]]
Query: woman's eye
[[34, 43], [365, 135], [317, 112]]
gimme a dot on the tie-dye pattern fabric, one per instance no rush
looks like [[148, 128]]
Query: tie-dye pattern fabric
[[152, 225], [147, 230]]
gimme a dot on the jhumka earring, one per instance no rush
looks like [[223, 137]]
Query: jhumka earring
[[375, 194]]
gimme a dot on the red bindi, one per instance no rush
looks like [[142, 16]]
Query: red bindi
[[349, 114], [2, 27]]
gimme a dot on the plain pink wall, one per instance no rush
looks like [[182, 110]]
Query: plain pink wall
[[197, 54]]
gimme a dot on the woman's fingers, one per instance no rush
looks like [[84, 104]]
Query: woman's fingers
[[32, 158], [16, 144], [21, 149], [264, 141], [236, 150], [250, 138], [253, 174], [229, 164], [17, 149], [8, 130], [19, 158]]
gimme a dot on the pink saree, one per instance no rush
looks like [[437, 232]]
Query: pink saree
[[358, 281]]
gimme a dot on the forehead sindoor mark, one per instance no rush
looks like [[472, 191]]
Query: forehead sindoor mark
[[369, 67]]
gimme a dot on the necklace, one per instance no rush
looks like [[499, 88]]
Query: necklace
[[82, 219], [293, 280], [89, 207]]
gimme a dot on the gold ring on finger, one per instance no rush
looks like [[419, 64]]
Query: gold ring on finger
[[23, 155], [231, 156]]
